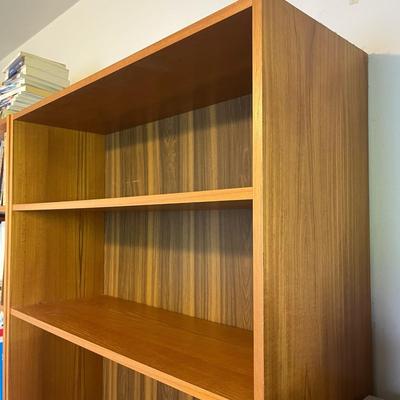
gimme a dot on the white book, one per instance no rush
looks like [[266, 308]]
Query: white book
[[22, 79], [57, 77], [22, 101], [26, 88], [33, 60], [27, 98]]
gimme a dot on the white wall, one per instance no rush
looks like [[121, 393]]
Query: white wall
[[96, 33], [384, 149]]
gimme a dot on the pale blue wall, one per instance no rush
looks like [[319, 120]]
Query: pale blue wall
[[384, 155]]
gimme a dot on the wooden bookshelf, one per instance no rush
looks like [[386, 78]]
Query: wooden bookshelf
[[239, 197], [183, 224], [199, 357]]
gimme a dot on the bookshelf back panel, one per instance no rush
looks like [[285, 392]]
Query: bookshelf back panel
[[56, 256], [197, 263], [54, 164], [121, 383], [208, 148], [45, 367]]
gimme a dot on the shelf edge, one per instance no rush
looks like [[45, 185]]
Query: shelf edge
[[196, 197]]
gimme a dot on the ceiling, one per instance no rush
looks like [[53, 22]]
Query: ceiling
[[26, 17]]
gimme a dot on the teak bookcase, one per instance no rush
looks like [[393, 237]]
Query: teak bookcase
[[193, 221]]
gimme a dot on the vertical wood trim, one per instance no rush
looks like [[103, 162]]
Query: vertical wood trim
[[258, 201], [6, 280]]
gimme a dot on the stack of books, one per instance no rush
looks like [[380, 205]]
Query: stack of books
[[28, 79]]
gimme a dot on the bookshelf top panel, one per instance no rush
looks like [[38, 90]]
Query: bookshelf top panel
[[205, 63]]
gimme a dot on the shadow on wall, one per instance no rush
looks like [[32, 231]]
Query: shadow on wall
[[386, 363], [384, 172]]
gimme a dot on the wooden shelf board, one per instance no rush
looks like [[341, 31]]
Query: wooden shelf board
[[238, 197], [205, 63], [198, 357]]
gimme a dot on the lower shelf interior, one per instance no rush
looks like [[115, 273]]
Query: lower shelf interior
[[198, 357], [167, 294]]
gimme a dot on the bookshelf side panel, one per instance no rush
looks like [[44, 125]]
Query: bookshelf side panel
[[53, 256], [55, 164], [56, 256], [313, 166], [45, 367]]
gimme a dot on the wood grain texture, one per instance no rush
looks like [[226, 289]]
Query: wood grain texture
[[3, 126], [221, 198], [53, 256], [207, 360], [122, 383], [56, 256], [197, 263], [53, 368], [56, 164], [258, 202], [205, 63], [194, 262], [295, 269], [205, 149], [6, 279], [314, 168]]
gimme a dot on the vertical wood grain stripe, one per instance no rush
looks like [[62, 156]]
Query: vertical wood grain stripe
[[204, 149], [197, 263], [316, 232]]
